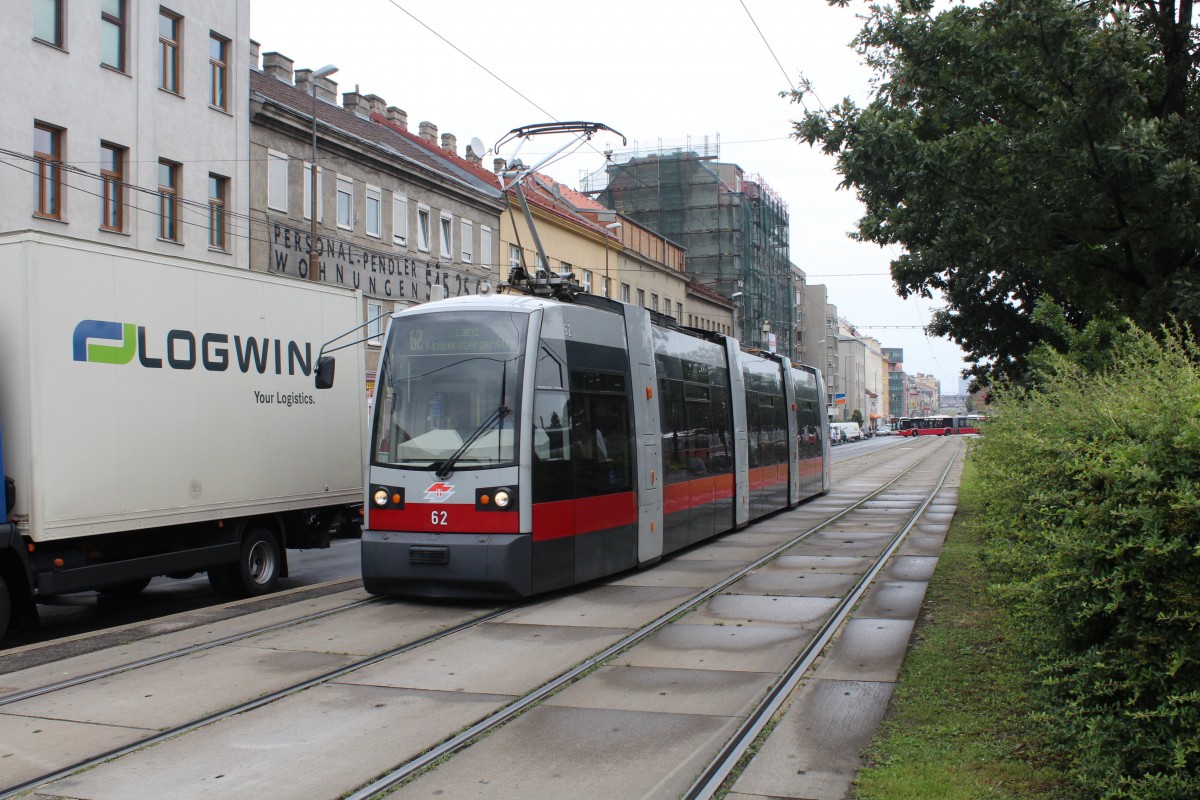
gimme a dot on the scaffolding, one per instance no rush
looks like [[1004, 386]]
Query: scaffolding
[[734, 227]]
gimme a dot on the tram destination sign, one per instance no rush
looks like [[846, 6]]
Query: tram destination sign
[[375, 272], [444, 337]]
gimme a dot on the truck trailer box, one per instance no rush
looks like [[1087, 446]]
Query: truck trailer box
[[139, 391]]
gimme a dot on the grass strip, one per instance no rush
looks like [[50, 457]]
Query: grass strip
[[960, 724]]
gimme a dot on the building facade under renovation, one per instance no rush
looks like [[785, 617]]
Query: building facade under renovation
[[733, 227]]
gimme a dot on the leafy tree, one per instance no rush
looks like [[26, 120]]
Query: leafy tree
[[856, 416], [1024, 149]]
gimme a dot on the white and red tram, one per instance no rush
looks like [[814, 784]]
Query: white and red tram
[[521, 445]]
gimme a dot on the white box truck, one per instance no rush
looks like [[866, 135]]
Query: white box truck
[[158, 417]]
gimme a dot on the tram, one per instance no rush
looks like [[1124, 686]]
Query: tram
[[521, 444], [938, 425]]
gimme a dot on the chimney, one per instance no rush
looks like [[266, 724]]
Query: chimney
[[428, 132], [327, 89], [471, 156], [378, 104], [353, 101], [304, 80], [498, 165], [278, 65], [450, 142], [398, 117], [254, 50]]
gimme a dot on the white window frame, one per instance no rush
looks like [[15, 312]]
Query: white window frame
[[277, 181], [345, 186], [514, 256], [308, 192], [373, 213], [423, 227], [587, 281], [467, 241], [654, 302], [485, 246], [399, 220], [374, 322], [446, 234]]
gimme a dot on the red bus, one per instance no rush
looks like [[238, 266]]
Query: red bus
[[942, 425]]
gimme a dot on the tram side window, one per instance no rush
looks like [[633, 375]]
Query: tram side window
[[720, 440], [600, 437], [674, 430], [753, 429], [551, 470], [699, 422]]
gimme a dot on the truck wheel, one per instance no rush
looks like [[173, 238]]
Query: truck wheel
[[255, 573], [5, 608]]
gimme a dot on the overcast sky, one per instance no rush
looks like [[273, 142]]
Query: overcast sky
[[655, 70]]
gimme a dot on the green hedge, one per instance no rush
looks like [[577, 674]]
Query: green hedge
[[1091, 510]]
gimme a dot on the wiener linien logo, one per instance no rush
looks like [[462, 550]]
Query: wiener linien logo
[[102, 342]]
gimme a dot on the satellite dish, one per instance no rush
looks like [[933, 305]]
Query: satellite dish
[[477, 147]]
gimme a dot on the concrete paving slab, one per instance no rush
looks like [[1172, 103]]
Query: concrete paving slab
[[921, 545], [846, 564], [77, 666], [551, 753], [667, 691], [315, 745], [688, 573], [612, 606], [180, 690], [794, 584], [727, 551], [368, 629], [725, 609], [496, 658], [841, 544], [867, 650], [32, 747], [814, 751], [910, 568], [259, 619], [893, 600], [728, 648]]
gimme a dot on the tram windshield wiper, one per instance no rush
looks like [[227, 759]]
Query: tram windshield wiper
[[444, 469]]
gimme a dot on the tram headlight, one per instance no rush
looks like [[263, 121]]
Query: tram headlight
[[499, 498], [387, 497]]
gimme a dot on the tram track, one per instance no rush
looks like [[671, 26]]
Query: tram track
[[729, 756], [437, 751]]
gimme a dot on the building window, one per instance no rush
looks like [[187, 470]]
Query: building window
[[218, 70], [168, 200], [112, 34], [423, 228], [679, 311], [606, 285], [374, 321], [48, 21], [467, 236], [653, 301], [345, 203], [218, 214], [587, 281], [48, 150], [641, 295], [170, 30], [624, 292], [308, 192], [112, 176], [447, 229], [514, 256], [485, 246], [400, 220], [373, 206], [277, 181]]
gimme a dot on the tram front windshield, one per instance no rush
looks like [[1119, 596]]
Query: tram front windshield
[[445, 382]]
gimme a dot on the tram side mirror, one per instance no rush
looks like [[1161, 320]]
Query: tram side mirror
[[325, 365]]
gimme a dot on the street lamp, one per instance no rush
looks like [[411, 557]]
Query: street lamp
[[313, 273], [612, 226]]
